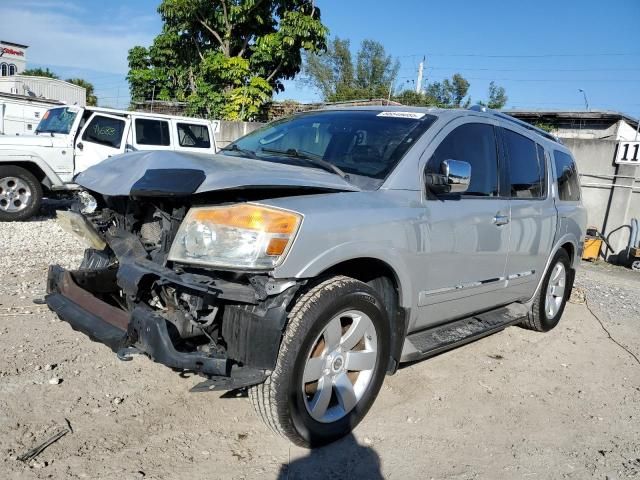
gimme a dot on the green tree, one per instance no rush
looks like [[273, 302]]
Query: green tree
[[334, 74], [449, 93], [39, 72], [228, 57], [92, 100], [497, 96]]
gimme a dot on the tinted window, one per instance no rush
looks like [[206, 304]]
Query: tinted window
[[152, 132], [193, 136], [566, 176], [105, 131], [526, 171], [474, 143]]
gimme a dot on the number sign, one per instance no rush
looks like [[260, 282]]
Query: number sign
[[628, 153]]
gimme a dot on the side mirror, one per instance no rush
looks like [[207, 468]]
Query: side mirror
[[455, 177]]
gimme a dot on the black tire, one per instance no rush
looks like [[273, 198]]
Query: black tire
[[7, 175], [538, 320], [280, 400]]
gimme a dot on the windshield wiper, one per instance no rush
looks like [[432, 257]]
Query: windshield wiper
[[244, 151], [309, 157]]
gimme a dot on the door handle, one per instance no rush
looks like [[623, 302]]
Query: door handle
[[501, 220]]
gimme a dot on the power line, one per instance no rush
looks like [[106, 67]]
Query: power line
[[541, 55]]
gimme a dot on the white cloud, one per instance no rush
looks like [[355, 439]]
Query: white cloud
[[58, 34]]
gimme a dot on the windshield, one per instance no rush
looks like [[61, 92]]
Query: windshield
[[57, 120], [364, 144]]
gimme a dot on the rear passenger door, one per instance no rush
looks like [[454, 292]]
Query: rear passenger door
[[151, 134], [533, 214]]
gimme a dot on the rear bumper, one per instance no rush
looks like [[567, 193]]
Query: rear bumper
[[140, 328]]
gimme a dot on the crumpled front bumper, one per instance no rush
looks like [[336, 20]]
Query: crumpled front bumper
[[141, 329]]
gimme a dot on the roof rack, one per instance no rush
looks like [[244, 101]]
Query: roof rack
[[509, 118]]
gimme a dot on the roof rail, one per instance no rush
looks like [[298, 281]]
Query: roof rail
[[509, 118]]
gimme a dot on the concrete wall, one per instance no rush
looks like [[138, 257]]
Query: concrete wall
[[611, 198], [230, 131]]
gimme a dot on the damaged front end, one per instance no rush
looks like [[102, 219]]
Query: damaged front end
[[224, 324]]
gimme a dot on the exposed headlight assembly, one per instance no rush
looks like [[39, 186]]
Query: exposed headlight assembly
[[242, 236]]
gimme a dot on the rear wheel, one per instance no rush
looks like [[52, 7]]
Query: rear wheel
[[20, 194], [331, 364], [549, 303]]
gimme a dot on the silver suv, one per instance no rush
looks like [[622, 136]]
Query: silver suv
[[312, 257]]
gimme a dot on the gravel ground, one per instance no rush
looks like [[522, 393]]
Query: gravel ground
[[517, 404]]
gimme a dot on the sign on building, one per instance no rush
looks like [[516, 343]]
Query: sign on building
[[627, 153]]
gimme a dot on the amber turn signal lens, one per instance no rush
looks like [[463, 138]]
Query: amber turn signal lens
[[277, 246], [251, 217]]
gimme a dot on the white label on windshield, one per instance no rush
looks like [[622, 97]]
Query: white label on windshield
[[415, 115]]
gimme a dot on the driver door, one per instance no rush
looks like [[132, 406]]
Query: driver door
[[102, 137]]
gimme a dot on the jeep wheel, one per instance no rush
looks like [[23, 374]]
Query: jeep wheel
[[332, 362], [552, 297], [20, 194]]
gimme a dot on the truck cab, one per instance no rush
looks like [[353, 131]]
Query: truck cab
[[70, 139]]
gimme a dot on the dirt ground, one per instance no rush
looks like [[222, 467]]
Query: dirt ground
[[515, 405]]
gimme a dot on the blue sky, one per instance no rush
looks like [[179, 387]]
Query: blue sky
[[542, 52]]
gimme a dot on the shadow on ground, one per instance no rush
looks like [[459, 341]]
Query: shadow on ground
[[345, 458]]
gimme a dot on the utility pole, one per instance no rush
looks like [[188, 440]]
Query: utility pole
[[419, 81]]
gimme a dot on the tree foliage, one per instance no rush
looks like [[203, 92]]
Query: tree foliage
[[334, 74], [451, 93], [227, 57], [92, 100], [39, 72]]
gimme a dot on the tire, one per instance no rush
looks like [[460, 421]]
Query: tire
[[542, 318], [286, 399], [20, 194]]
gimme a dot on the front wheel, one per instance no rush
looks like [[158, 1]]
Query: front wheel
[[20, 194], [331, 364]]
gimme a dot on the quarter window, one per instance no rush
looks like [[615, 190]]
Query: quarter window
[[193, 136], [105, 131], [152, 132], [526, 169], [566, 176], [474, 143]]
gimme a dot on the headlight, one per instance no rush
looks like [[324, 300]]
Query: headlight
[[245, 235]]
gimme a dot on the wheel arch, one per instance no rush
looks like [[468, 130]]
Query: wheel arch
[[383, 278], [35, 165]]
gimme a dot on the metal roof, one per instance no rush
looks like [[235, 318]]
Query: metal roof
[[584, 115]]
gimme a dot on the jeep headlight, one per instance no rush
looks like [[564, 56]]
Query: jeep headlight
[[245, 235]]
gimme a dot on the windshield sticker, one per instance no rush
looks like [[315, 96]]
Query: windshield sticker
[[415, 115]]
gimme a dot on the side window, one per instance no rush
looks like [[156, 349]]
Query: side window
[[105, 131], [193, 136], [474, 143], [152, 132], [566, 176], [526, 171]]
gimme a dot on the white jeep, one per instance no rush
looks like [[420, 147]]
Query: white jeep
[[70, 139]]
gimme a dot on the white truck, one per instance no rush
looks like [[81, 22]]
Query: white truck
[[70, 139]]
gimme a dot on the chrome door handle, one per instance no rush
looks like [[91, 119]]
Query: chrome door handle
[[500, 220]]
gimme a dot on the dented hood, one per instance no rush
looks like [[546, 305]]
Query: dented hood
[[168, 173]]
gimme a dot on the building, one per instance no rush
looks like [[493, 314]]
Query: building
[[610, 182], [45, 88], [592, 124], [13, 58]]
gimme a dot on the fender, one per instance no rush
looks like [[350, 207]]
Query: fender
[[575, 261], [356, 250], [13, 157]]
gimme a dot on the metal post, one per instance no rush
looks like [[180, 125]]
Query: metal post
[[586, 102]]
